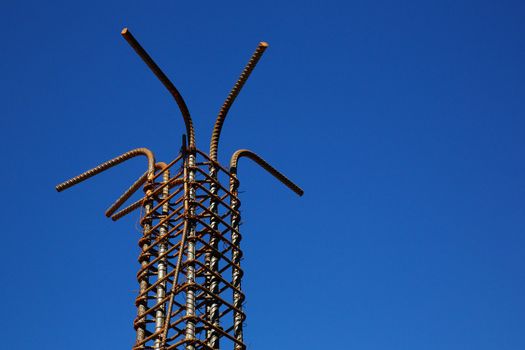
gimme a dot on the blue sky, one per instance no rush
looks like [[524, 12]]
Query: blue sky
[[403, 122]]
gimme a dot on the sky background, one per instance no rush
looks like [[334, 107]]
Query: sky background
[[402, 120]]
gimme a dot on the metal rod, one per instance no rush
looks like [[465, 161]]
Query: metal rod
[[221, 117], [161, 266], [135, 205], [212, 307], [129, 209], [251, 155], [238, 297], [212, 260], [143, 276], [165, 81], [131, 190], [109, 164], [175, 282], [190, 253]]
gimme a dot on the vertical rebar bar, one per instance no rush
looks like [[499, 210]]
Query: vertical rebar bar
[[143, 277], [212, 260], [161, 267], [190, 256], [238, 297]]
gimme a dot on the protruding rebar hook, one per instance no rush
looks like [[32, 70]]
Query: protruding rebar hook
[[132, 189], [217, 127], [251, 155], [165, 81], [109, 164]]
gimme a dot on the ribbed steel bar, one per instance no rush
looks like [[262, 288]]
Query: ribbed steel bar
[[135, 205], [109, 164], [175, 284], [212, 260], [143, 277], [161, 267], [130, 208], [190, 253], [212, 308], [132, 189], [165, 81], [238, 296], [221, 117], [257, 159]]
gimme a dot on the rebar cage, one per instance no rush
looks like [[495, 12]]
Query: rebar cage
[[190, 294], [190, 276]]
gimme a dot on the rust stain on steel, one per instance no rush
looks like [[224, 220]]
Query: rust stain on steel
[[190, 292]]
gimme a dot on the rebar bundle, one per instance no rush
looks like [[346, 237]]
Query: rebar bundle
[[190, 294]]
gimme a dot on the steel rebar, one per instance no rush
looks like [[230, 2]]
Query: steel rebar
[[161, 267], [221, 117], [257, 159], [190, 254], [165, 81], [238, 297], [109, 164], [132, 189], [143, 277], [190, 277], [212, 307]]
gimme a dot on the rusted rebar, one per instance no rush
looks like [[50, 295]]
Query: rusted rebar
[[132, 189], [221, 117], [162, 265], [238, 296], [190, 253], [165, 81], [143, 277], [190, 277], [212, 259], [253, 156], [109, 164]]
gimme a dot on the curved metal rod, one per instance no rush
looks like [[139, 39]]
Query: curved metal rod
[[279, 176], [165, 81], [217, 127], [133, 206], [137, 204], [109, 164], [132, 189]]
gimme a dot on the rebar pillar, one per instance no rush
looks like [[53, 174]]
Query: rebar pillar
[[190, 274]]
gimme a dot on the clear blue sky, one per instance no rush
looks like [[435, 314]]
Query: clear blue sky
[[402, 120]]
